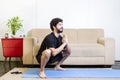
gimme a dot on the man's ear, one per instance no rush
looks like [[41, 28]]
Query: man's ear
[[54, 27]]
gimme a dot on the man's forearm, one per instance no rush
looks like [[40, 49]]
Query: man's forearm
[[59, 49]]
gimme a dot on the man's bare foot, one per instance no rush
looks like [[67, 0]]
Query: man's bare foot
[[42, 75], [59, 68]]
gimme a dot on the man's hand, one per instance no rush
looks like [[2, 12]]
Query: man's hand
[[65, 39]]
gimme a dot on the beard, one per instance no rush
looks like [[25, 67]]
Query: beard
[[59, 30]]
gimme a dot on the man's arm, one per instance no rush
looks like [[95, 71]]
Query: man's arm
[[60, 48]]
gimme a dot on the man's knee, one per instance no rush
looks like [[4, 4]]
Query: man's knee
[[47, 52], [68, 51]]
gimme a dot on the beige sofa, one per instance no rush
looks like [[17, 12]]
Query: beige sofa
[[88, 46]]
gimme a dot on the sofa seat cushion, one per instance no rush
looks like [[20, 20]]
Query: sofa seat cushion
[[87, 50], [84, 61]]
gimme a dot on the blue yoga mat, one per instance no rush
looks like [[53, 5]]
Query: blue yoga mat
[[74, 73]]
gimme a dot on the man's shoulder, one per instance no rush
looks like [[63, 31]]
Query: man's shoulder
[[49, 36]]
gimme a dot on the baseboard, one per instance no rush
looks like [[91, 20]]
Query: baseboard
[[117, 60]]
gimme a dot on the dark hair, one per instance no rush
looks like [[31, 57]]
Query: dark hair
[[54, 22]]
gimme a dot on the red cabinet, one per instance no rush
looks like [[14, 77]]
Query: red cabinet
[[12, 47]]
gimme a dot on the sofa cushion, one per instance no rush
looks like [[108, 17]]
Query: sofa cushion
[[84, 61], [39, 34], [71, 34], [87, 50], [89, 35]]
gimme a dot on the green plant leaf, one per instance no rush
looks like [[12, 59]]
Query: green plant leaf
[[14, 24]]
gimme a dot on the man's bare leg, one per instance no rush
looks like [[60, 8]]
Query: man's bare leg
[[44, 59], [65, 54]]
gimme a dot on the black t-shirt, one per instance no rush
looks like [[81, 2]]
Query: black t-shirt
[[50, 41]]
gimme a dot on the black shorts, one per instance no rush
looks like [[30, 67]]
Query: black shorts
[[52, 59]]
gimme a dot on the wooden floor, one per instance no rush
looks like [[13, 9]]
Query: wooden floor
[[10, 65]]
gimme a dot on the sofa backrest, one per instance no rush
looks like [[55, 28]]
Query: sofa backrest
[[71, 34], [74, 35], [89, 35], [84, 35], [39, 34]]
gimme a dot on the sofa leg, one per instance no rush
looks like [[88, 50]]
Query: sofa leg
[[107, 66]]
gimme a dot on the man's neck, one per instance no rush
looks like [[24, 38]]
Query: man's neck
[[56, 34]]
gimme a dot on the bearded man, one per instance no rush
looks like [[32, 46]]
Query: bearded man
[[54, 48]]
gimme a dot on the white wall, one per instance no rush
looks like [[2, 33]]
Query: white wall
[[75, 13]]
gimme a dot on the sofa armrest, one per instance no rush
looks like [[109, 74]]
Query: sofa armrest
[[35, 40], [28, 50], [109, 44], [101, 41]]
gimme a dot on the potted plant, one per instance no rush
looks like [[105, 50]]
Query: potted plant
[[14, 24]]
